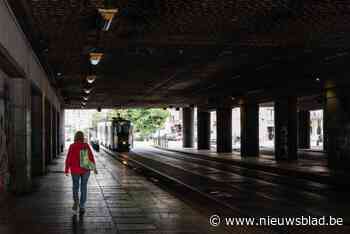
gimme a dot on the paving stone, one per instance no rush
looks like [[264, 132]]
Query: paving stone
[[119, 201]]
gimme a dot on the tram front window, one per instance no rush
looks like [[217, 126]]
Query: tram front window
[[123, 128]]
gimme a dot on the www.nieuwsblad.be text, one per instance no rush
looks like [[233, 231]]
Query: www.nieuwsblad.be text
[[216, 220]]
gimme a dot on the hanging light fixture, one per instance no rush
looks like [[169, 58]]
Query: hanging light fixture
[[91, 78], [83, 103], [107, 17], [87, 91], [86, 98], [95, 58]]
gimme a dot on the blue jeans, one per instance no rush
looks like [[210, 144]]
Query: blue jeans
[[82, 180]]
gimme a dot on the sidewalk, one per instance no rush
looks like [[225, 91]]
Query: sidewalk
[[312, 169], [119, 201]]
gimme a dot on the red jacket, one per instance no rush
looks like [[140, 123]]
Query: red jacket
[[73, 158]]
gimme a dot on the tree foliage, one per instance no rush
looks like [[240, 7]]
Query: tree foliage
[[145, 121]]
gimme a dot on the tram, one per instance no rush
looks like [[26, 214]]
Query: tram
[[116, 134]]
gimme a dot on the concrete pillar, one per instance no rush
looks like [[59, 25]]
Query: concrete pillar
[[325, 135], [224, 129], [54, 135], [337, 127], [304, 129], [6, 155], [61, 130], [48, 132], [38, 155], [203, 129], [20, 95], [249, 129], [58, 132], [187, 127], [43, 130], [286, 128]]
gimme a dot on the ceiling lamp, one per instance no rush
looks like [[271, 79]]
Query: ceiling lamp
[[87, 91], [95, 58], [107, 17], [86, 98], [91, 79], [83, 103]]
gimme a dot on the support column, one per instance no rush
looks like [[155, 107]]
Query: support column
[[53, 135], [48, 132], [62, 130], [337, 123], [58, 132], [304, 129], [187, 127], [325, 135], [249, 129], [224, 129], [286, 128], [203, 129], [20, 93], [38, 155], [44, 127]]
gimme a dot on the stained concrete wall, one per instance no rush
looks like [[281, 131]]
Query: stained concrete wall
[[5, 157], [20, 90], [20, 72], [19, 55]]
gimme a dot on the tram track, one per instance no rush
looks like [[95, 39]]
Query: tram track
[[259, 175], [226, 184]]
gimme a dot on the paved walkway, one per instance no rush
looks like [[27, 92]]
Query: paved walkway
[[119, 201]]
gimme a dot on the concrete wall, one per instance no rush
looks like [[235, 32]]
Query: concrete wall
[[19, 56], [5, 156], [20, 74]]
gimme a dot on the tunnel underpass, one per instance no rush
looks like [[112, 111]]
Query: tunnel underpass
[[190, 113]]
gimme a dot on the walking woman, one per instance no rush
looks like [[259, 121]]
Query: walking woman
[[80, 161]]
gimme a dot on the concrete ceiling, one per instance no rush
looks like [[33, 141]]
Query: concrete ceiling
[[188, 52]]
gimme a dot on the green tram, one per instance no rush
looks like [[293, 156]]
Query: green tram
[[116, 134]]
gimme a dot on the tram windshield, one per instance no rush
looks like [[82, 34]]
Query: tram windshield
[[123, 128]]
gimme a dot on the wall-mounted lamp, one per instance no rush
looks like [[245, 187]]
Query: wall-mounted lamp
[[95, 58], [107, 17]]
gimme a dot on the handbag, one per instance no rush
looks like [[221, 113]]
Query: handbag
[[85, 162]]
